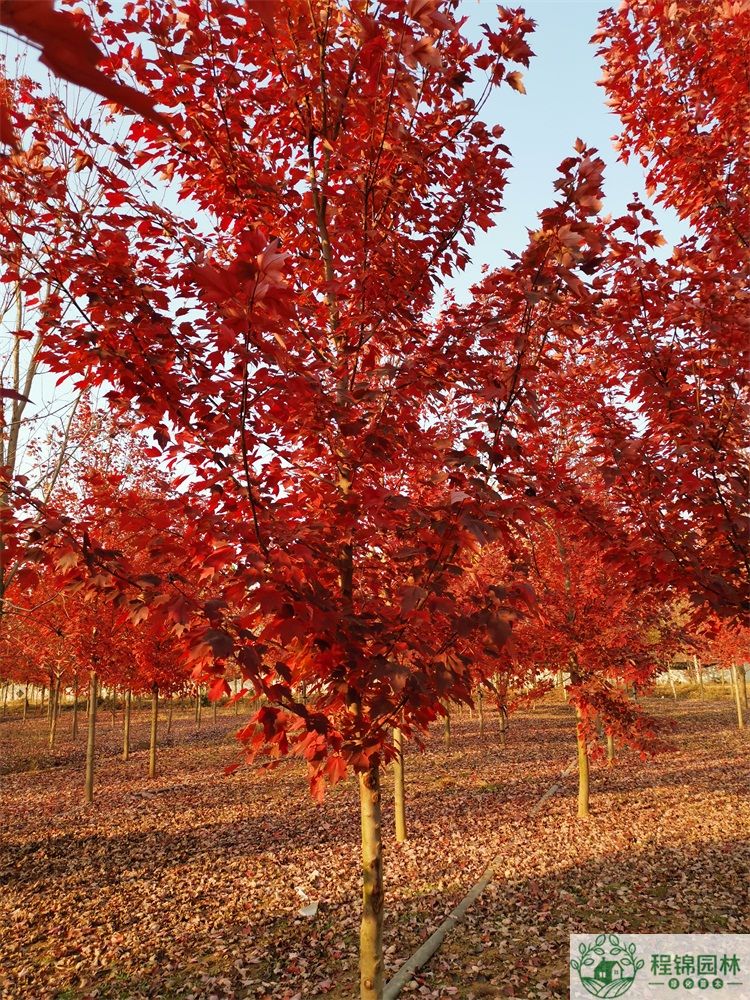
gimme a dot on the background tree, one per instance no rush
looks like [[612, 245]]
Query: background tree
[[674, 74]]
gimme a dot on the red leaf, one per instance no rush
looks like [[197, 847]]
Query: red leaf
[[335, 768], [179, 610], [411, 597], [12, 394], [8, 134], [317, 786], [221, 642], [65, 63], [27, 578], [249, 660], [267, 11], [70, 53], [526, 592], [81, 160], [38, 21], [218, 690]]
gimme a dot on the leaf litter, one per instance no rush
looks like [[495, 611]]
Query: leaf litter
[[199, 885]]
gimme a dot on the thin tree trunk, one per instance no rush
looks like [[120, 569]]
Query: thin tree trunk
[[126, 726], [113, 693], [738, 698], [216, 708], [583, 770], [198, 708], [503, 725], [154, 724], [698, 676], [399, 793], [371, 928], [5, 698], [610, 748], [91, 741], [480, 706], [169, 715], [74, 733], [25, 703], [743, 684], [54, 714], [671, 682], [41, 699], [447, 727]]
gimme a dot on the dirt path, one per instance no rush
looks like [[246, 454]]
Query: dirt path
[[191, 885]]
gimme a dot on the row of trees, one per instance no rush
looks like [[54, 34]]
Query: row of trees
[[585, 623], [359, 487]]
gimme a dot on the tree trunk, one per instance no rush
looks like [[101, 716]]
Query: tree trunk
[[113, 693], [671, 682], [447, 727], [216, 708], [610, 748], [198, 708], [399, 794], [54, 714], [738, 698], [91, 741], [480, 706], [371, 929], [74, 727], [41, 699], [698, 676], [154, 724], [25, 703], [743, 685], [169, 715], [126, 726], [583, 770], [503, 725]]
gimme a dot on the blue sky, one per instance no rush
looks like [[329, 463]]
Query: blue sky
[[562, 103]]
